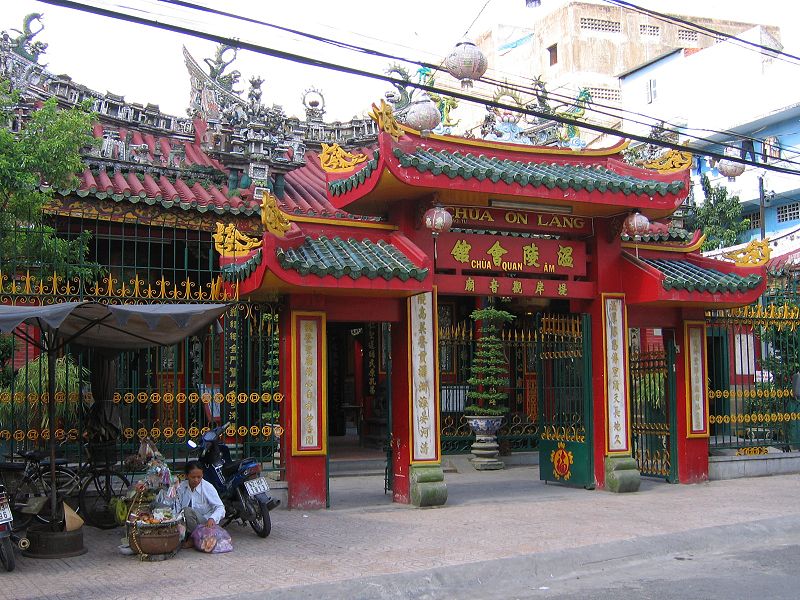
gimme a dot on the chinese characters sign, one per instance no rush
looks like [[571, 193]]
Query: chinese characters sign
[[616, 389], [508, 286], [308, 375], [695, 379], [424, 410], [501, 254]]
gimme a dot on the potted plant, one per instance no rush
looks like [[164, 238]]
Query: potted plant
[[488, 383]]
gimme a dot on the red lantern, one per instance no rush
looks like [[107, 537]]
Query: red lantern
[[438, 219], [636, 224]]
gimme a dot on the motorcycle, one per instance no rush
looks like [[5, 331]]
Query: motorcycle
[[7, 557], [242, 489]]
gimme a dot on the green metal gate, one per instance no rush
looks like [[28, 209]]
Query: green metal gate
[[565, 399], [653, 418]]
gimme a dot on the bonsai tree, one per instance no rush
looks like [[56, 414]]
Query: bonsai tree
[[489, 376]]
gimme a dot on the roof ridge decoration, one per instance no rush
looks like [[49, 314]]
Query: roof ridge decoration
[[230, 242], [670, 162], [383, 115], [273, 219], [755, 254], [335, 159]]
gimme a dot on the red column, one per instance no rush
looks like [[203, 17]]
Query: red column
[[692, 451], [401, 411]]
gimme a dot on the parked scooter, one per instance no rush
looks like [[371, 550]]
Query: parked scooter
[[7, 557], [242, 489]]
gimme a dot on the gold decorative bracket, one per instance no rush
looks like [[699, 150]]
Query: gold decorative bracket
[[229, 241], [670, 162], [755, 254], [273, 219], [335, 159], [384, 117]]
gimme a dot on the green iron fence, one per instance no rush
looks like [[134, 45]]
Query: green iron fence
[[168, 394]]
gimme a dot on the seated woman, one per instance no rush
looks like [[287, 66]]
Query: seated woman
[[199, 500]]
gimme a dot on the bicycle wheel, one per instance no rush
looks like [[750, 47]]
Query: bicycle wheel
[[96, 495], [32, 496], [68, 484]]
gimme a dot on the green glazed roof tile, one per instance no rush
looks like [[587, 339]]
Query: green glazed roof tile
[[233, 272], [342, 186], [535, 174], [353, 258], [674, 234], [683, 275]]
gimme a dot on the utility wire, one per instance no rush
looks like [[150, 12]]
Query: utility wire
[[619, 112], [702, 28], [259, 49]]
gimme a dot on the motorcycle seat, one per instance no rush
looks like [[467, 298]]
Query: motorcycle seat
[[231, 468]]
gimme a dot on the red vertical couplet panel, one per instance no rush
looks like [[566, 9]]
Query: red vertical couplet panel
[[692, 404], [308, 427]]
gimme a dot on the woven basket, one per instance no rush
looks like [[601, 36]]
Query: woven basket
[[153, 539]]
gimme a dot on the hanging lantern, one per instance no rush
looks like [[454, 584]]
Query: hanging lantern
[[728, 168], [438, 219], [636, 225], [466, 63], [423, 114]]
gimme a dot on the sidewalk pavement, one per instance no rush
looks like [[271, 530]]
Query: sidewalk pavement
[[506, 516]]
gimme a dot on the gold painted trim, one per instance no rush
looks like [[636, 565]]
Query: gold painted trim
[[517, 147], [687, 358], [681, 249], [323, 417], [672, 161], [628, 450], [341, 223]]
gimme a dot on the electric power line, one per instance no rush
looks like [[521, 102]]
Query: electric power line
[[259, 49]]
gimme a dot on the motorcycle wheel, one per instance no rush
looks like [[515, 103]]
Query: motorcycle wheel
[[7, 554], [262, 524]]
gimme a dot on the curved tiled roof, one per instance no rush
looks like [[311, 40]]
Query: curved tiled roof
[[354, 258], [535, 174], [684, 275]]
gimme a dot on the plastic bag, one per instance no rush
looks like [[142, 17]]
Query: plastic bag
[[211, 539]]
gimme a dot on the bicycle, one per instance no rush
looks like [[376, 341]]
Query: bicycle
[[96, 485]]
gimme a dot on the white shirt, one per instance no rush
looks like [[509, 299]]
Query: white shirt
[[204, 499]]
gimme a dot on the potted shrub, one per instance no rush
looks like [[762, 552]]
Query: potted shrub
[[488, 383]]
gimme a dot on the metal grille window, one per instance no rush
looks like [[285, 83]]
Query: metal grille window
[[755, 219], [590, 24], [687, 35], [789, 212], [601, 93], [649, 30]]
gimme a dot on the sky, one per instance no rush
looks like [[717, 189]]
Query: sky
[[145, 64]]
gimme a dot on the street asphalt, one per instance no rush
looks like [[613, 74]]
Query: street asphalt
[[503, 534]]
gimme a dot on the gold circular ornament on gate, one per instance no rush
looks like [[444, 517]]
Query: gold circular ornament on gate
[[181, 397], [231, 397], [61, 398], [142, 397], [19, 435], [169, 398], [116, 398], [129, 397], [266, 430], [206, 398], [5, 397], [255, 430], [193, 432], [277, 397], [129, 433], [33, 435], [59, 434], [155, 397], [141, 432], [74, 396], [278, 430], [194, 398], [266, 397], [168, 432], [219, 397], [255, 397], [180, 432], [5, 434], [33, 397], [230, 431], [155, 433], [242, 431], [19, 397], [242, 398], [72, 434], [45, 434], [204, 429]]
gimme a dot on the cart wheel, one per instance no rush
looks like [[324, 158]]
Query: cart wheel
[[23, 543]]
